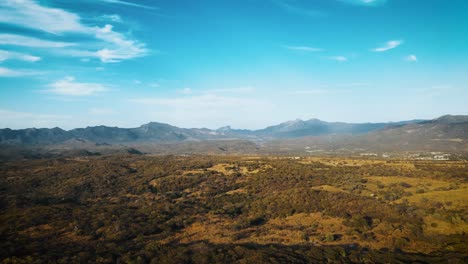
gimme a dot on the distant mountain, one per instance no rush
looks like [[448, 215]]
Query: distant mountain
[[228, 132], [152, 132], [316, 127], [313, 127], [159, 132], [447, 132], [449, 119], [33, 136]]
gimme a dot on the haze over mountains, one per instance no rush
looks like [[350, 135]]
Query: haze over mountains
[[446, 133], [160, 132]]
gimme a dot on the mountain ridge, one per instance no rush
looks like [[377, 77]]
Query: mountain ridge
[[448, 129], [162, 132]]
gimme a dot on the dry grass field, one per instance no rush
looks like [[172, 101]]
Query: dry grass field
[[206, 209]]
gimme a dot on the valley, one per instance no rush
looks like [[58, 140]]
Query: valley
[[242, 131], [135, 208]]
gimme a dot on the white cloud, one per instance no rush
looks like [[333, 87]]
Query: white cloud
[[8, 55], [29, 14], [18, 40], [118, 47], [111, 18], [6, 72], [339, 58], [111, 46], [411, 58], [120, 2], [122, 48], [303, 48], [388, 46], [68, 86]]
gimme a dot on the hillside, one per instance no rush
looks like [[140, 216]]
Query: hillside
[[164, 133], [151, 132], [231, 209], [447, 133]]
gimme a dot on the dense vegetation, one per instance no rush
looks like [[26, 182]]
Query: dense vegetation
[[212, 209]]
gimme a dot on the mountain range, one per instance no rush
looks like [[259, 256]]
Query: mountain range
[[447, 133], [159, 132]]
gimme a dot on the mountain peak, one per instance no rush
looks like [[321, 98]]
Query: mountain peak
[[450, 119], [224, 129], [154, 125], [293, 122], [161, 132], [315, 120]]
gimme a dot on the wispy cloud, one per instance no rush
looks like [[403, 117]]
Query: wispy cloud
[[289, 6], [68, 86], [304, 48], [388, 46], [112, 46], [18, 40], [125, 3], [411, 58], [8, 55], [28, 14], [122, 48], [338, 58], [110, 18], [7, 72], [365, 2]]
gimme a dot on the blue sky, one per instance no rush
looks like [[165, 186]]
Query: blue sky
[[244, 63]]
